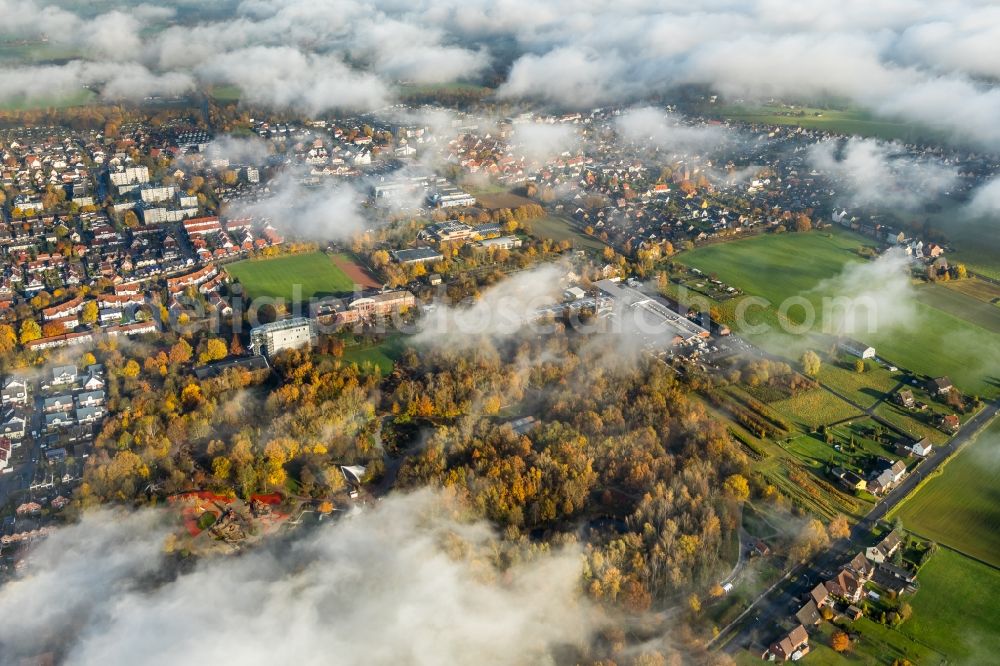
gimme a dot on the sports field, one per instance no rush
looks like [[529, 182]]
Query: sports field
[[313, 274], [960, 507], [559, 228]]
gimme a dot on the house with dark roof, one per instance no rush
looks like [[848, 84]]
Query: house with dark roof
[[808, 615], [939, 386]]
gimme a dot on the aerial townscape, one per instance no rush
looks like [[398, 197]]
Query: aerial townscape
[[465, 332]]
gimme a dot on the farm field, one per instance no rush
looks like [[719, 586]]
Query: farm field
[[773, 266], [559, 228], [978, 289], [315, 274], [960, 507], [956, 608], [962, 305], [778, 266], [841, 121]]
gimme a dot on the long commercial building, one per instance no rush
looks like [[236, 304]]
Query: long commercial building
[[269, 339], [651, 317]]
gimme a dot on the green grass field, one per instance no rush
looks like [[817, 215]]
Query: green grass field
[[313, 273], [958, 304], [842, 121], [382, 356], [956, 609], [865, 388], [960, 507], [781, 266], [813, 408]]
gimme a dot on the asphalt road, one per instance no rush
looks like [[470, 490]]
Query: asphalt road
[[760, 623]]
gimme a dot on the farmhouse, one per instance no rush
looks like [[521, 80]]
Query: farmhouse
[[940, 386], [855, 348], [905, 398], [922, 448]]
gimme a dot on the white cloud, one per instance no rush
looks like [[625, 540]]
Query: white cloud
[[880, 174], [385, 586]]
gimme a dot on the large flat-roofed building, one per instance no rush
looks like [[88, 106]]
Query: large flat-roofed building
[[417, 255], [269, 339], [651, 317]]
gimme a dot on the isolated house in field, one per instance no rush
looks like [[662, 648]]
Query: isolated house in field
[[950, 423], [855, 348], [940, 386], [905, 398]]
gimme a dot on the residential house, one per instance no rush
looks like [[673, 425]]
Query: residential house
[[792, 646], [949, 423], [861, 567], [14, 392], [57, 403], [57, 421], [13, 426], [808, 615], [63, 375], [87, 415], [885, 549], [820, 595], [922, 448], [905, 398], [90, 399], [940, 386], [846, 586]]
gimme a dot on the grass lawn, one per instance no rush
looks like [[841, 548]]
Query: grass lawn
[[813, 408], [314, 274], [383, 355], [559, 228], [955, 610], [960, 507], [814, 451], [80, 97], [865, 388]]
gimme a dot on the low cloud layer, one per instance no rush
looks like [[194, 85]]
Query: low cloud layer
[[930, 63], [404, 582], [325, 211], [879, 174], [871, 298], [649, 126]]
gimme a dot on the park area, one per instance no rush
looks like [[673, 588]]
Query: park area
[[779, 266], [314, 275], [960, 506]]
